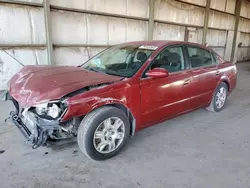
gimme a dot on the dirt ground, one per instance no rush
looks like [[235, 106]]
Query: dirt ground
[[199, 150]]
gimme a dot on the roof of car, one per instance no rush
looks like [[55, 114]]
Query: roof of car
[[160, 43]]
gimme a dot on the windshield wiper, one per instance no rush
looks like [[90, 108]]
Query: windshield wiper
[[110, 72], [92, 69], [95, 69], [116, 73]]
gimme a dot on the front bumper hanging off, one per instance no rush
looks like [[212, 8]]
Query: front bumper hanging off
[[39, 133], [36, 129]]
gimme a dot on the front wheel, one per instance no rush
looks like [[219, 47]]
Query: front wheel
[[103, 133], [219, 98]]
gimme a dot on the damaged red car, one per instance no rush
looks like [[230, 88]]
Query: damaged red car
[[121, 90]]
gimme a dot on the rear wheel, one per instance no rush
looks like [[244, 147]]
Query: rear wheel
[[219, 98], [103, 133]]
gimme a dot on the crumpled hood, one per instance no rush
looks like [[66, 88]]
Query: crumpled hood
[[37, 84]]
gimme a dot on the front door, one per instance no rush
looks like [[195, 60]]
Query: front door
[[163, 98]]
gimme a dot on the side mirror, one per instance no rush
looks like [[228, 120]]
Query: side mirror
[[157, 73]]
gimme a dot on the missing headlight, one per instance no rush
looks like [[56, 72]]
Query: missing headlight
[[42, 109], [54, 111], [48, 110]]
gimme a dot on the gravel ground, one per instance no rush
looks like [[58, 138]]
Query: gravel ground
[[199, 150]]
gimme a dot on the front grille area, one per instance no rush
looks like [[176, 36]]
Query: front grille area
[[28, 118], [26, 121]]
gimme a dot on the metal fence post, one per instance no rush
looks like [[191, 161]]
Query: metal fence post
[[236, 27], [46, 6], [206, 19], [151, 19]]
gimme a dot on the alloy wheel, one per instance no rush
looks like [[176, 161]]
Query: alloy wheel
[[109, 135], [221, 97]]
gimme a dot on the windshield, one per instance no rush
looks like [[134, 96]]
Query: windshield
[[122, 60]]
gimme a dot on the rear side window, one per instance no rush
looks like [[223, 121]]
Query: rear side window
[[200, 57]]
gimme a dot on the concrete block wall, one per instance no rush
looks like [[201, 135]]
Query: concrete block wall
[[71, 29], [243, 52], [22, 33], [83, 28]]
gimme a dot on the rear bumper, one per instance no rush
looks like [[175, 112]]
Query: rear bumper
[[233, 83], [233, 79]]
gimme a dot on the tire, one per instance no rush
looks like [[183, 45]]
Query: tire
[[214, 107], [95, 123]]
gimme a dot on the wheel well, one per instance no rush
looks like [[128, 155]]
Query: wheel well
[[226, 82], [130, 116]]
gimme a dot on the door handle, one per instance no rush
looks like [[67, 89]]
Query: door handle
[[217, 73], [186, 82]]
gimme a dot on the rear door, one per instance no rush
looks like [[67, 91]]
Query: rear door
[[212, 75], [205, 75]]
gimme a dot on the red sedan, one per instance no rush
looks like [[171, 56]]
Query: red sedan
[[122, 90]]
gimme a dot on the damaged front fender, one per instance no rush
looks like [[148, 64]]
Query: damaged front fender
[[82, 106]]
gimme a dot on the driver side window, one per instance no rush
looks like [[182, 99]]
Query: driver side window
[[171, 59]]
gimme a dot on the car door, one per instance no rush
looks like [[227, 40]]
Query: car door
[[205, 75], [163, 98], [212, 77]]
